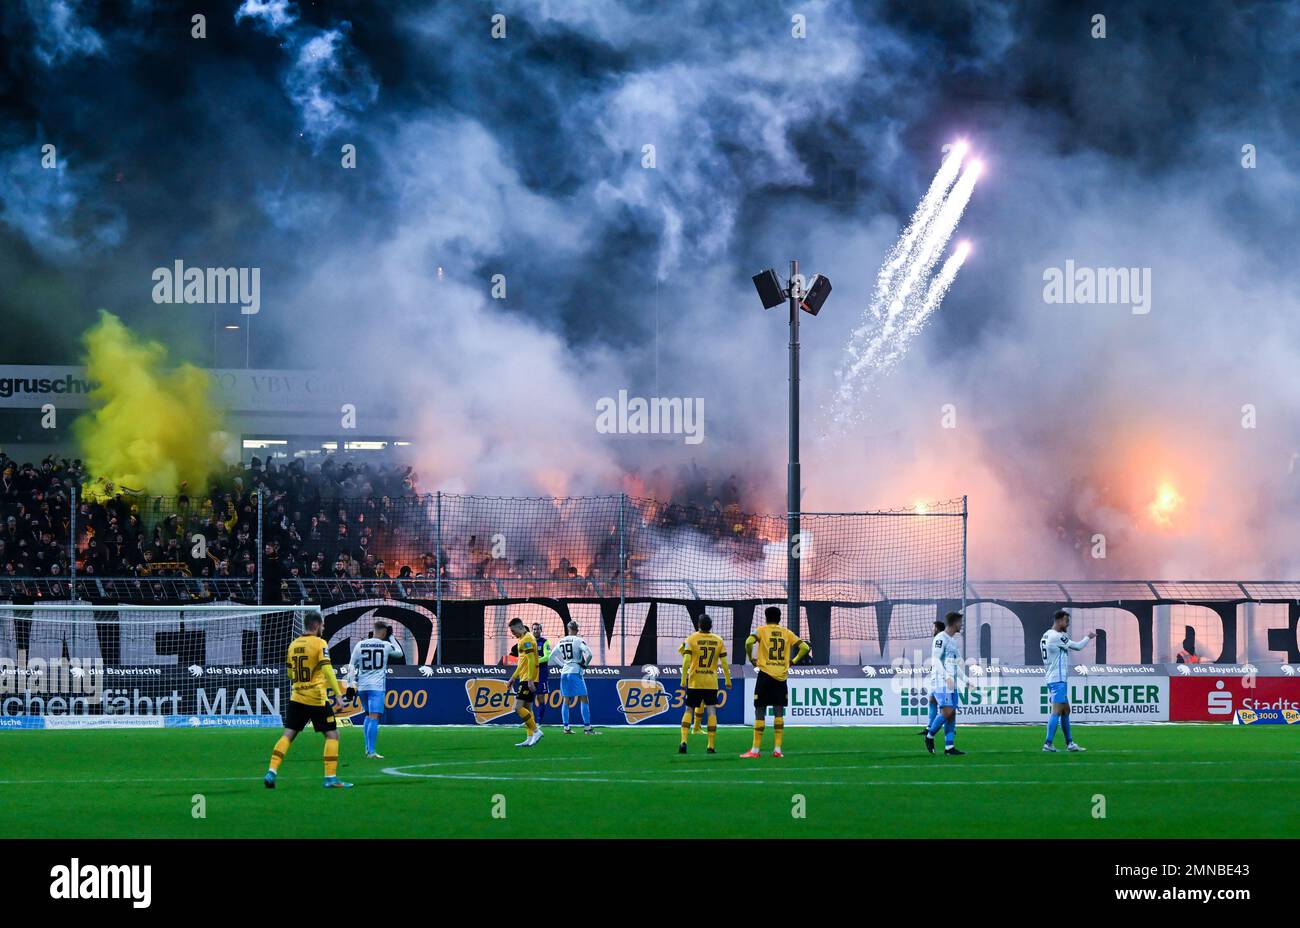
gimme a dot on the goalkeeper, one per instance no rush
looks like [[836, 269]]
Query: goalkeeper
[[574, 657], [312, 677]]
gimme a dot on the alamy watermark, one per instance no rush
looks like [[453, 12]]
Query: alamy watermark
[[51, 676], [208, 285], [656, 415], [1122, 286]]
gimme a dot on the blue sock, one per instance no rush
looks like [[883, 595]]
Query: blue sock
[[934, 725], [934, 710], [1065, 727], [1051, 728], [586, 715], [950, 731], [372, 734], [564, 712]]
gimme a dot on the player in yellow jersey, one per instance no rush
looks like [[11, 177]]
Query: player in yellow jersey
[[699, 713], [524, 681], [312, 677], [777, 649], [702, 653]]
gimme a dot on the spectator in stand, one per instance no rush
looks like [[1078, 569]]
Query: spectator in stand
[[333, 524]]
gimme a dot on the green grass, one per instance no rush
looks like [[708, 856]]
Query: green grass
[[1183, 781]]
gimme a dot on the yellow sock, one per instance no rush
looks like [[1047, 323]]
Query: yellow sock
[[758, 733], [331, 757], [277, 754], [699, 716], [778, 729], [713, 731], [530, 725], [686, 724]]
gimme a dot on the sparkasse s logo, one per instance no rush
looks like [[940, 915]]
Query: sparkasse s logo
[[489, 698], [1218, 702], [89, 881]]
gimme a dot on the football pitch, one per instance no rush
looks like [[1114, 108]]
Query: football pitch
[[1134, 781]]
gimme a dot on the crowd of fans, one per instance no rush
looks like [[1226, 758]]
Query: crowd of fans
[[334, 522], [318, 521], [36, 509]]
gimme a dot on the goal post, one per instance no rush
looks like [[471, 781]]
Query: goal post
[[78, 665]]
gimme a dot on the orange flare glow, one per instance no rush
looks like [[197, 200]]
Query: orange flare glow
[[1165, 504]]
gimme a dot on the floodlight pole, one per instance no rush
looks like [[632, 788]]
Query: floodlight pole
[[792, 470]]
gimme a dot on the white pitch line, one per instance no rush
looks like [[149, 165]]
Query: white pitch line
[[683, 776], [924, 764], [1055, 784]]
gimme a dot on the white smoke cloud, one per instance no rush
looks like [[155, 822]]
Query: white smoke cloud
[[326, 80], [59, 33], [56, 209], [525, 159]]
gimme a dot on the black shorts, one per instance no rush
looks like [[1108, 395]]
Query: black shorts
[[701, 697], [526, 692], [297, 715], [769, 691]]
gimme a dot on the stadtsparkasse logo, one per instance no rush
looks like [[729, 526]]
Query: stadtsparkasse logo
[[639, 700], [489, 698]]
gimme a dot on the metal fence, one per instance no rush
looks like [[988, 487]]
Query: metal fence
[[272, 549]]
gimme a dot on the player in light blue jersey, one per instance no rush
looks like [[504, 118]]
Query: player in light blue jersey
[[1055, 647], [369, 674], [945, 658], [574, 657]]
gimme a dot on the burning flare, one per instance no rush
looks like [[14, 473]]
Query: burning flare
[[1166, 503]]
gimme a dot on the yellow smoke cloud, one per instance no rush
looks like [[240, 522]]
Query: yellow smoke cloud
[[150, 429]]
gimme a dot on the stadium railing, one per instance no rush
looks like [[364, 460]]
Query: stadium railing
[[447, 546]]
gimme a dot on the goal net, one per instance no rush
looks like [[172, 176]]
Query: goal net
[[73, 665]]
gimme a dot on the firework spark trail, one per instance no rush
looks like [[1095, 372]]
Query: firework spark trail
[[934, 295], [918, 249], [938, 232], [888, 340], [894, 336], [895, 261], [902, 250]]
